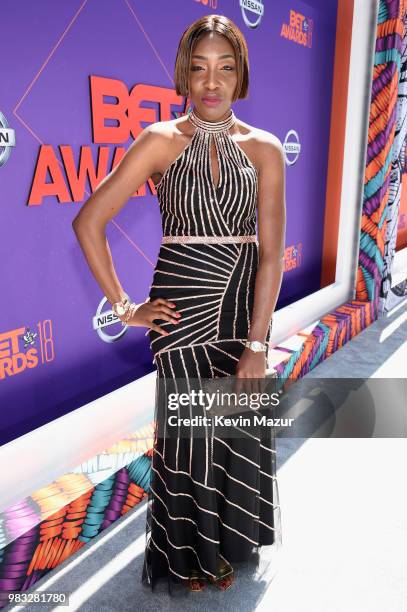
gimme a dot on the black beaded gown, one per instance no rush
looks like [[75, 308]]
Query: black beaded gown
[[210, 495]]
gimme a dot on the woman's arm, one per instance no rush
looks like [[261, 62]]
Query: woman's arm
[[142, 159], [271, 222], [108, 199]]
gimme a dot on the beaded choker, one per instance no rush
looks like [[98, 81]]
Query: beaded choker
[[212, 126]]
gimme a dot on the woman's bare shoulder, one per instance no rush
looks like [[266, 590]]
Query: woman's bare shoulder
[[171, 137], [263, 147], [169, 130], [260, 136]]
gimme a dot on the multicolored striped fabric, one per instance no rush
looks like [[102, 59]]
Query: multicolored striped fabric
[[390, 297], [346, 321]]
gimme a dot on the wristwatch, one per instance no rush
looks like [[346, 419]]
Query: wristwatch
[[256, 346], [120, 308]]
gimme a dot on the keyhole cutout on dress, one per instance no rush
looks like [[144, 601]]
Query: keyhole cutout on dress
[[214, 163]]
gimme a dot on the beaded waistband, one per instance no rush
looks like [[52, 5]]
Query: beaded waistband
[[208, 239]]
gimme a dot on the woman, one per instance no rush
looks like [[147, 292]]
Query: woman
[[212, 499]]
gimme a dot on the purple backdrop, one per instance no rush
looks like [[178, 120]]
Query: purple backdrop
[[50, 51]]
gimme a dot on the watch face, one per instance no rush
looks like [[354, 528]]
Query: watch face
[[256, 345]]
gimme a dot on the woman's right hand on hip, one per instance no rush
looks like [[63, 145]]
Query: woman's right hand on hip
[[160, 308]]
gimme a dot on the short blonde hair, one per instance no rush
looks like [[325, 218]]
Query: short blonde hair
[[224, 26]]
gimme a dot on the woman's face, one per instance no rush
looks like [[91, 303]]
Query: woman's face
[[212, 76]]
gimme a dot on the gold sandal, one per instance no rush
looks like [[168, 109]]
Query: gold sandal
[[196, 581], [224, 570]]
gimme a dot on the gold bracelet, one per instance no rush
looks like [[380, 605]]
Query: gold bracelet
[[120, 308], [129, 313]]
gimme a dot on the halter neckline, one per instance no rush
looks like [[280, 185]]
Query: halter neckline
[[212, 126]]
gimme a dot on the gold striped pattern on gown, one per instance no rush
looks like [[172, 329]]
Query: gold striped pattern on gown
[[210, 495]]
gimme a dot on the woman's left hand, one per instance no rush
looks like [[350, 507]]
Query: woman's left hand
[[251, 366]]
